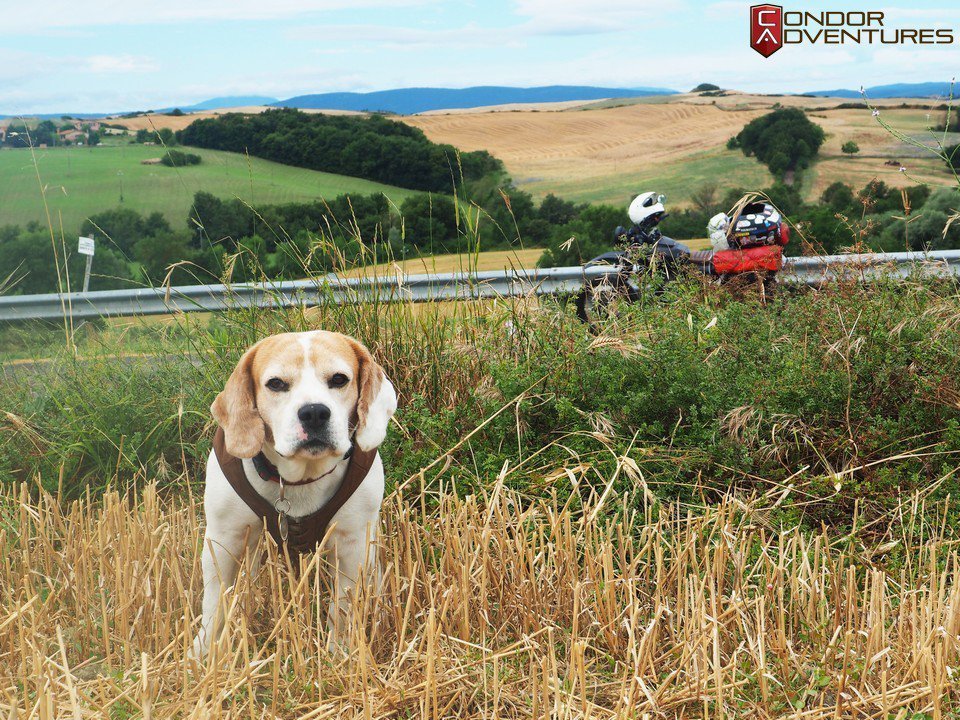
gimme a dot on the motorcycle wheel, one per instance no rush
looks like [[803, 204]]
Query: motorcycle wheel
[[604, 298]]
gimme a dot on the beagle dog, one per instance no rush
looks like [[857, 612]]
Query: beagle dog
[[294, 416]]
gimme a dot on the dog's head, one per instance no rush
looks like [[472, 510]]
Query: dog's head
[[308, 395]]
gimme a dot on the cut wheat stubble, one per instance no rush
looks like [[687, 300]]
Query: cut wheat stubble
[[493, 606]]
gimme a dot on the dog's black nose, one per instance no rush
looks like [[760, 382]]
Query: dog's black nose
[[314, 416]]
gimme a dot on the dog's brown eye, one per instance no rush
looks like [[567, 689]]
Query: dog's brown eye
[[339, 380], [277, 385]]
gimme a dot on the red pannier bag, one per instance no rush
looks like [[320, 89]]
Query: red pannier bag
[[762, 257]]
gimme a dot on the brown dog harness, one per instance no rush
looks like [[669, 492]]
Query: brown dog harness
[[303, 534]]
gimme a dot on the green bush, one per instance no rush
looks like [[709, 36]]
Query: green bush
[[848, 394], [588, 235], [783, 140], [178, 158]]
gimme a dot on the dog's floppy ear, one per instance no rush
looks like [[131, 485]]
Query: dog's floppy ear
[[376, 403], [235, 409]]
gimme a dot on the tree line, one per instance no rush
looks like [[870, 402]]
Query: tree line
[[373, 147], [281, 241], [288, 241]]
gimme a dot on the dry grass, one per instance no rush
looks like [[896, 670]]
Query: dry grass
[[498, 606]]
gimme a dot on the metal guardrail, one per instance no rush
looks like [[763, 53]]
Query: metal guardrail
[[419, 288], [818, 269]]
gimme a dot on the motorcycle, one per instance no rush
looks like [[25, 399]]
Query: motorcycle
[[749, 252]]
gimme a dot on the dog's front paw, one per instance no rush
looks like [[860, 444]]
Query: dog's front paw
[[200, 647]]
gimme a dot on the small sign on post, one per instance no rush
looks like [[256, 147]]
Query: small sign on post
[[86, 247]]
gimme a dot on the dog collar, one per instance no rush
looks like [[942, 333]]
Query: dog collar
[[268, 472]]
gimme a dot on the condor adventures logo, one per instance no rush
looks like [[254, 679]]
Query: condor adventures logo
[[772, 27], [766, 28]]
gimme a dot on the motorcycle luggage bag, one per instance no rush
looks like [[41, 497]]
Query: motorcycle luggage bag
[[758, 224], [763, 257]]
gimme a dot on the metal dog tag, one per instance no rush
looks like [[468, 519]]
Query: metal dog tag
[[282, 507]]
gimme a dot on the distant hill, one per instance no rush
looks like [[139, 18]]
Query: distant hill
[[905, 90], [211, 104], [54, 116], [229, 101], [408, 101]]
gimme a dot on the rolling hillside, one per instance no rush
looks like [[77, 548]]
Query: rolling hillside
[[603, 151], [79, 182], [608, 154], [608, 151]]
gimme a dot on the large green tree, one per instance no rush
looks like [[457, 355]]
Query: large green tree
[[784, 140]]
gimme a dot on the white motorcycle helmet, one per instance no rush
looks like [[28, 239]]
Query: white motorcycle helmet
[[645, 206], [717, 230]]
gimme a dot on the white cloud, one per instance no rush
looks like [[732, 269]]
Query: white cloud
[[17, 67], [577, 17], [117, 64], [407, 38], [52, 15]]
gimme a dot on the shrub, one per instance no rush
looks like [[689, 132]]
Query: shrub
[[589, 235], [178, 158], [949, 121], [163, 136], [430, 222], [831, 391]]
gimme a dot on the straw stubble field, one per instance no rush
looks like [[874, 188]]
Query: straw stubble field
[[492, 606], [604, 152]]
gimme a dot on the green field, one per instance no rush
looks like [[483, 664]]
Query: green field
[[79, 182], [677, 180]]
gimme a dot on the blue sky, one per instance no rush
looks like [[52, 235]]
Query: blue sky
[[110, 55]]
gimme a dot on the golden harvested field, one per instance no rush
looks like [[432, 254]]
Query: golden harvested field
[[492, 260], [608, 138], [600, 155], [498, 605], [877, 146], [609, 150]]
